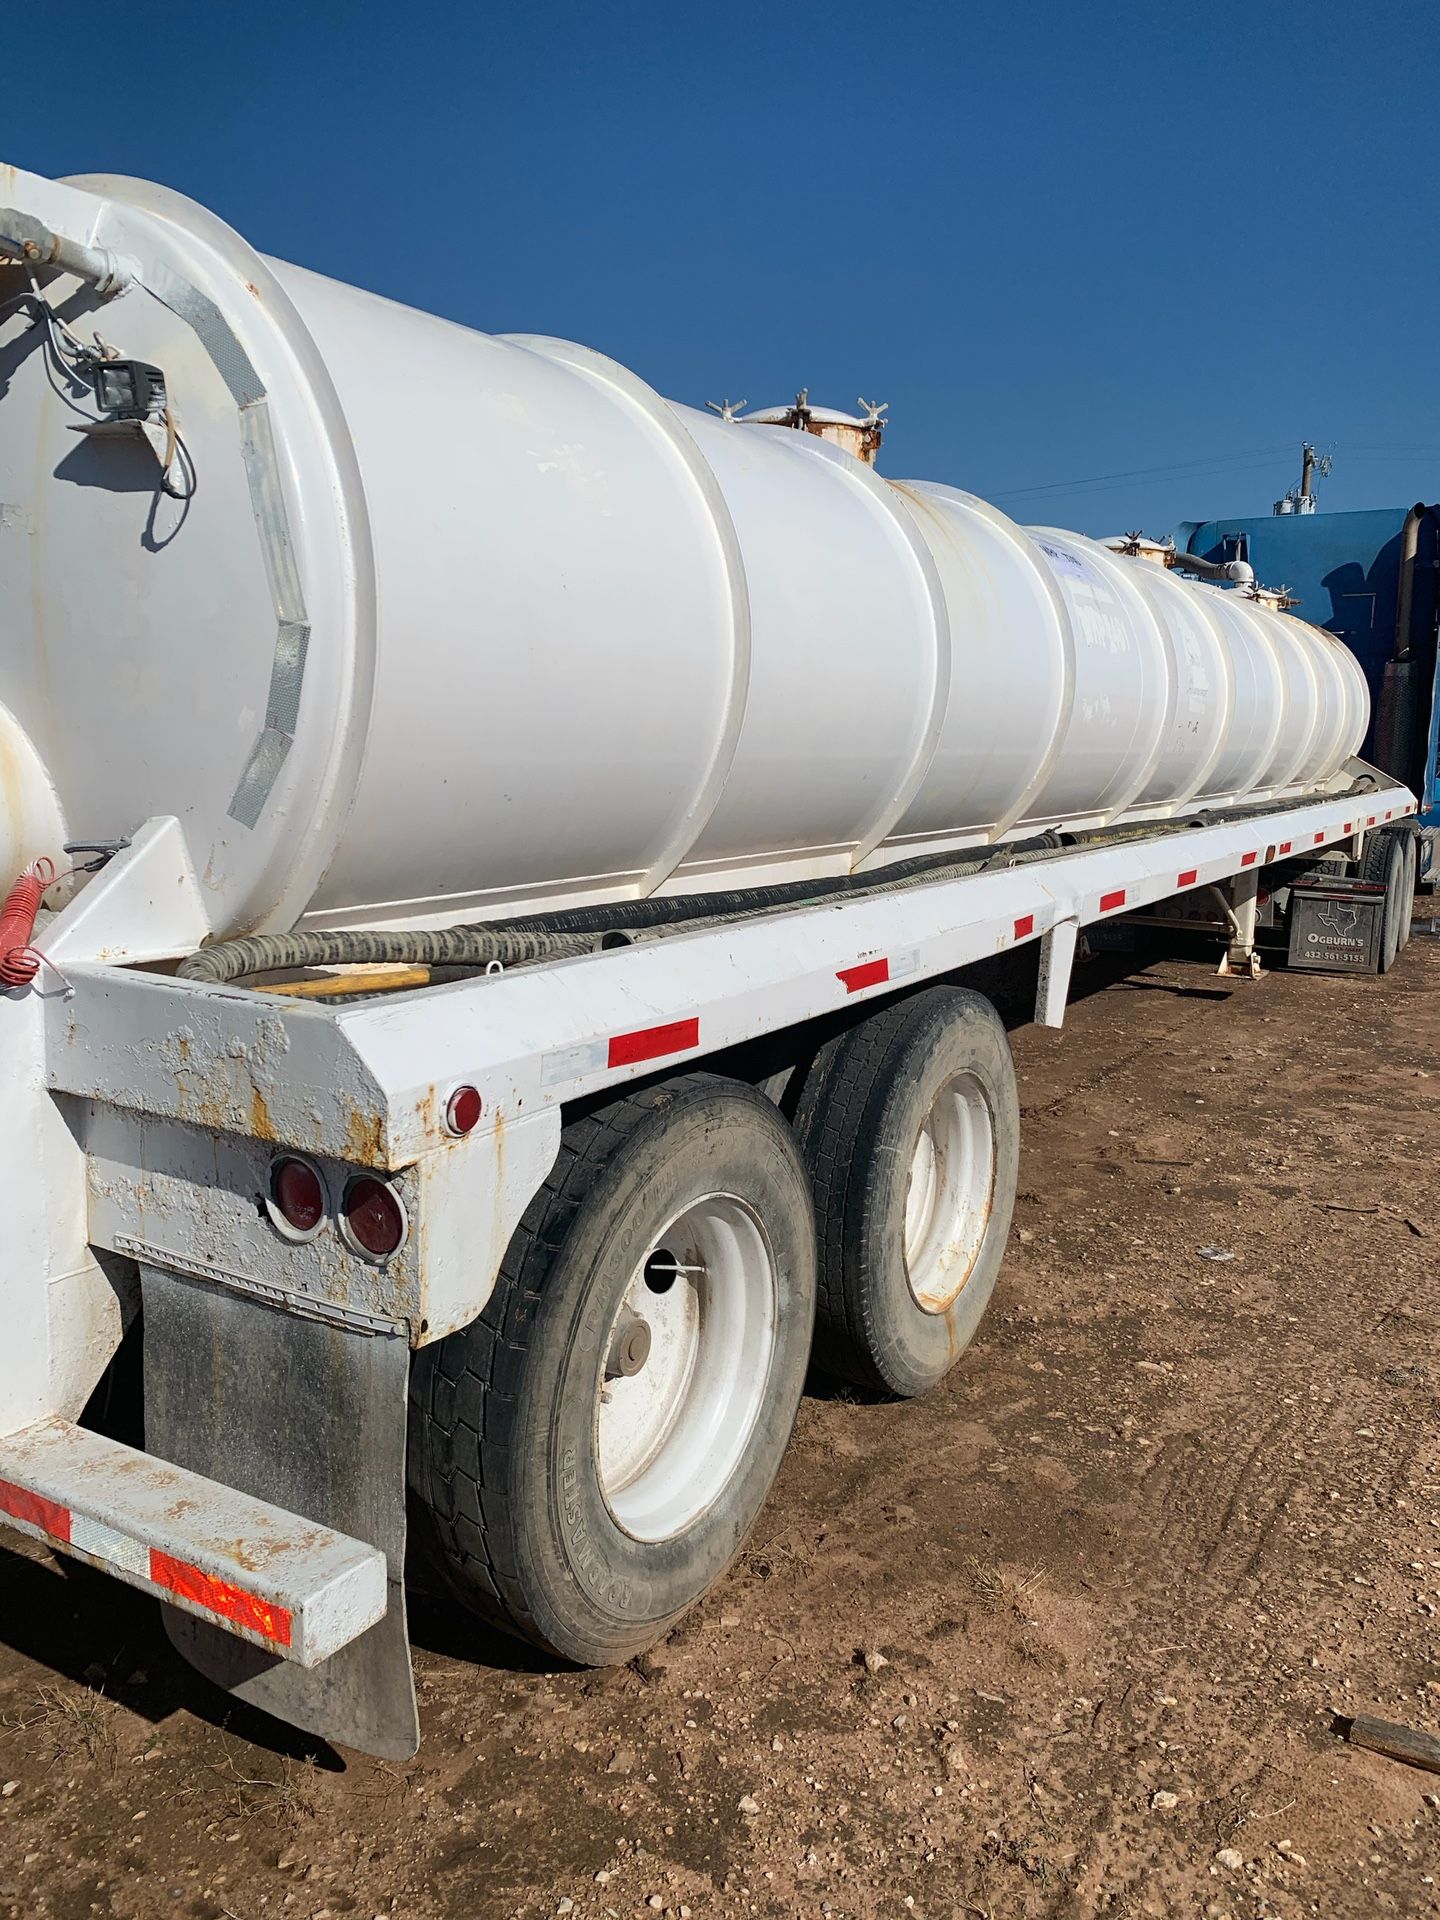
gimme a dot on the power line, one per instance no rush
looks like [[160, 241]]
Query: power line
[[1224, 464]]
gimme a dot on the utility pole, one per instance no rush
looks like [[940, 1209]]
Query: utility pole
[[1301, 499]]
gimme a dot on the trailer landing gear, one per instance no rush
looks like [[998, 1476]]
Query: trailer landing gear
[[1241, 958]]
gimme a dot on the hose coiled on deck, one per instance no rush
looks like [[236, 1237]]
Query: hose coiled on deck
[[571, 930], [477, 946]]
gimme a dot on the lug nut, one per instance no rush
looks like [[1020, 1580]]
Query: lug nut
[[629, 1349]]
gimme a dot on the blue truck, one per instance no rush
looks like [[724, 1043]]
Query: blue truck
[[1373, 579]]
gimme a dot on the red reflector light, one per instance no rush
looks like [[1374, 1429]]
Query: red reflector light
[[463, 1110], [373, 1217], [298, 1194]]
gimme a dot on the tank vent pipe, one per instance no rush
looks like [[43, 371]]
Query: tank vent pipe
[[1238, 571]]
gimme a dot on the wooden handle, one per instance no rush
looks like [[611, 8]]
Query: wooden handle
[[384, 979], [1390, 1738]]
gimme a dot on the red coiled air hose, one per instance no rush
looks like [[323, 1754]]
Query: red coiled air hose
[[19, 962]]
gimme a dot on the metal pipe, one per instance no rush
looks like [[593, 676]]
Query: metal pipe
[[1222, 901], [1395, 711], [1239, 571], [37, 246], [1409, 549]]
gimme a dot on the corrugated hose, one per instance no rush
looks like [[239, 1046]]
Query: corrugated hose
[[569, 930]]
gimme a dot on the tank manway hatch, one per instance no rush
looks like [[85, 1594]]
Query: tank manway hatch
[[859, 434]]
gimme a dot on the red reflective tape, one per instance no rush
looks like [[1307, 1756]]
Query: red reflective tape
[[35, 1509], [1109, 901], [1319, 839], [1025, 926], [1284, 846], [1389, 811], [1371, 821], [1248, 859], [651, 1042], [869, 973], [1188, 878], [218, 1596], [1349, 825]]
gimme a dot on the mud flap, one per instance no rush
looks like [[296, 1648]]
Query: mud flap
[[310, 1415]]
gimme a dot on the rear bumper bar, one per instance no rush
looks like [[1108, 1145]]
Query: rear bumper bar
[[298, 1590]]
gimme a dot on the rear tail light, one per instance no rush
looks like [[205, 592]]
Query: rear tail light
[[296, 1201], [372, 1218], [463, 1110]]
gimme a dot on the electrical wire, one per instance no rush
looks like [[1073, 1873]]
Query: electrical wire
[[62, 384], [81, 358], [1252, 461], [1273, 466], [176, 449], [1220, 463], [74, 367], [1392, 453], [20, 960], [80, 364]]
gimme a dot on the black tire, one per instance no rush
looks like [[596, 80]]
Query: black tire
[[1412, 873], [859, 1122], [1383, 863], [506, 1414]]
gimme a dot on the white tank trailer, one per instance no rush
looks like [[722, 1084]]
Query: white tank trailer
[[501, 864], [458, 624]]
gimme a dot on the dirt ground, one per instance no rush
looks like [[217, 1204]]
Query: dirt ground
[[1065, 1638]]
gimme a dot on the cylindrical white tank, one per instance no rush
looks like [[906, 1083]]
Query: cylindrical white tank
[[456, 624]]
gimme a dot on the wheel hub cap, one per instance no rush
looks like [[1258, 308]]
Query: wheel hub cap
[[674, 1412], [951, 1190]]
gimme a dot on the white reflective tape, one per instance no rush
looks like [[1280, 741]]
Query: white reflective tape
[[93, 1536], [573, 1063], [194, 1542]]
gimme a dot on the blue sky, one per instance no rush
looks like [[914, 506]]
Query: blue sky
[[1064, 242]]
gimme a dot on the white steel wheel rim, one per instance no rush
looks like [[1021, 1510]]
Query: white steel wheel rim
[[669, 1437], [950, 1193]]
